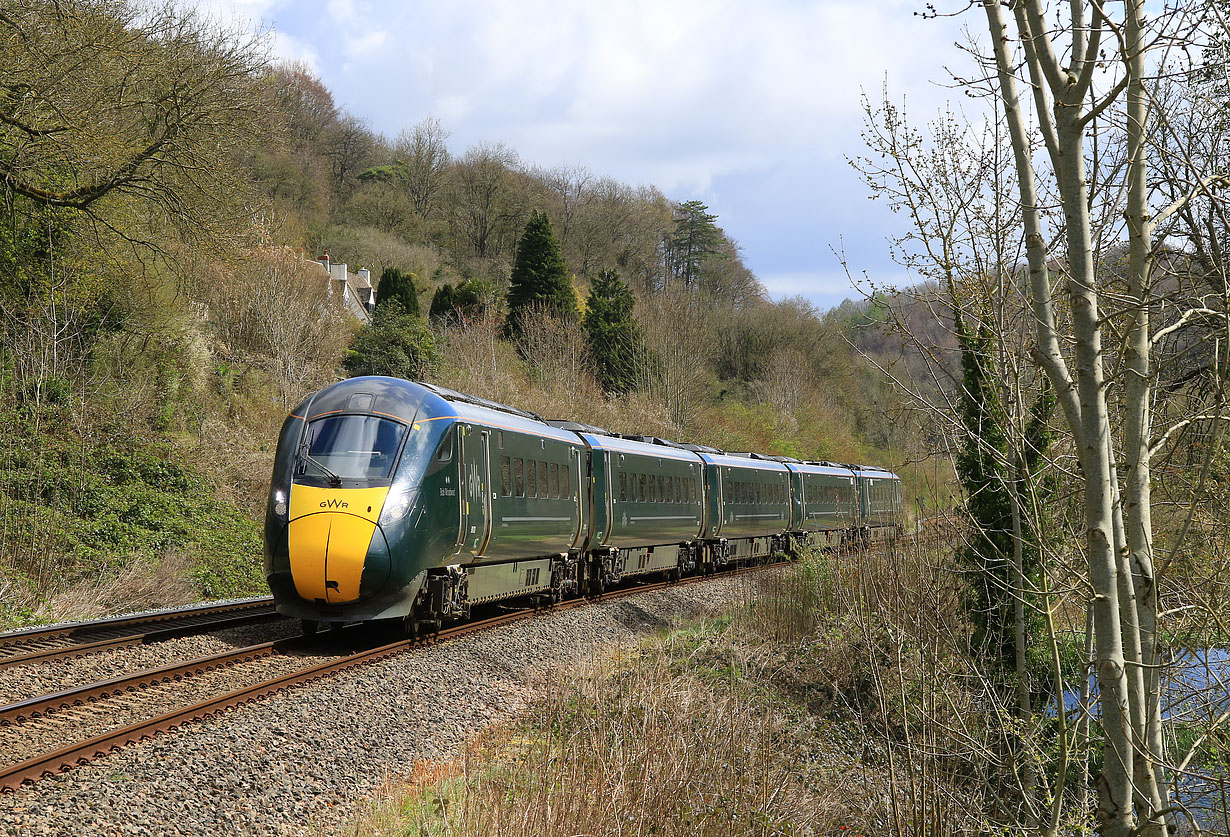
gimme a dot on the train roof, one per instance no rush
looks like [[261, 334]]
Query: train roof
[[511, 421], [376, 394], [732, 460], [825, 468], [411, 401], [875, 472], [623, 444]]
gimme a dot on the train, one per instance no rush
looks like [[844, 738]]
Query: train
[[400, 500]]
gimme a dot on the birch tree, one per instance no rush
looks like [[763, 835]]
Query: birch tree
[[1061, 70]]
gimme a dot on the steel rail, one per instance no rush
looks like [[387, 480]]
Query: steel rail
[[216, 620], [38, 767], [82, 635]]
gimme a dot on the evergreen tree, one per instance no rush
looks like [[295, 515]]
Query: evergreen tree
[[398, 286], [613, 336], [443, 304], [986, 470], [395, 343], [695, 239], [539, 277], [461, 304]]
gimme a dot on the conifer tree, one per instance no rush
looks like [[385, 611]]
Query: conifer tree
[[443, 304], [696, 238], [539, 277], [613, 335], [460, 304], [395, 285]]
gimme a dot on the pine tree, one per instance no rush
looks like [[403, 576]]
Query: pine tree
[[539, 278], [696, 238], [613, 335], [395, 285]]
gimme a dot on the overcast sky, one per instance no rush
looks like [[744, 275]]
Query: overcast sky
[[749, 107]]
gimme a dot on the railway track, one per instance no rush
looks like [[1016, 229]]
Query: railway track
[[127, 709], [80, 639]]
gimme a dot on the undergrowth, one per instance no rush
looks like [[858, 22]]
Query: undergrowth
[[114, 515], [790, 714]]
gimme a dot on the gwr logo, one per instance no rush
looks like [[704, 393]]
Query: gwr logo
[[334, 504]]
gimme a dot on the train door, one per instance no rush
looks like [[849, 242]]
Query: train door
[[581, 492], [475, 463]]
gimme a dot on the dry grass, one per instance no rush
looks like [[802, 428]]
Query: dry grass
[[830, 696], [141, 584], [639, 744]]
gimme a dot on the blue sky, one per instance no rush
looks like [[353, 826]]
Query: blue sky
[[749, 107]]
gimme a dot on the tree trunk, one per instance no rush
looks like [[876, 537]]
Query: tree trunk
[[1137, 431]]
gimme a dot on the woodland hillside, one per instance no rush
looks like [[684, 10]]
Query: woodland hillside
[[162, 309], [1051, 386]]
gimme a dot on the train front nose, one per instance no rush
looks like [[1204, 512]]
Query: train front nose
[[337, 550]]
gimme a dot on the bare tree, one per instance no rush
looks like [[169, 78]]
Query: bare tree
[[485, 209], [424, 157], [1059, 68], [113, 100]]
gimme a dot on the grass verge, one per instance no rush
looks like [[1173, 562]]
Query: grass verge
[[781, 717]]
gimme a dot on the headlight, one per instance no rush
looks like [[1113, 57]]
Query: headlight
[[279, 504], [396, 506]]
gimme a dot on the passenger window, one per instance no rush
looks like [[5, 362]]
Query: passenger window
[[531, 479], [565, 482], [542, 480], [653, 489], [661, 489], [641, 494], [505, 476], [519, 475], [554, 480], [623, 487]]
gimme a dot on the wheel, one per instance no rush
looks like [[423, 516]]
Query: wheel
[[308, 626]]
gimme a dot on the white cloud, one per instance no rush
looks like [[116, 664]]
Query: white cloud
[[691, 96]]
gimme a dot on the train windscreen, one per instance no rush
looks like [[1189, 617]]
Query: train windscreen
[[353, 447]]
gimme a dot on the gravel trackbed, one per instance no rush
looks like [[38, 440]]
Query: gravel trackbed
[[304, 761]]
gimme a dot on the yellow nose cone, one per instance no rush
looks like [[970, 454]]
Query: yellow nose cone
[[329, 536]]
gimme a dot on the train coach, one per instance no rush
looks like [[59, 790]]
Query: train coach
[[400, 500]]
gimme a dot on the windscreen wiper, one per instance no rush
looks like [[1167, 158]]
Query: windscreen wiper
[[334, 479]]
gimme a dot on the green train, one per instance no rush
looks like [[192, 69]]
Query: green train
[[400, 500]]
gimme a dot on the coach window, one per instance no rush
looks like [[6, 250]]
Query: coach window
[[641, 494], [653, 489], [505, 476], [519, 475], [554, 480], [565, 486], [542, 480], [661, 489], [623, 487], [531, 478]]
